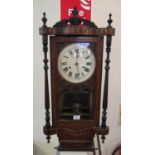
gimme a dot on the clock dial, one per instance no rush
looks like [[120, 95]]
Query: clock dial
[[76, 62]]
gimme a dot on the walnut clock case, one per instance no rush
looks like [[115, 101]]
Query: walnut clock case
[[76, 53]]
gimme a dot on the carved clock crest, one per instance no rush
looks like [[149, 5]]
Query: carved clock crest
[[76, 53]]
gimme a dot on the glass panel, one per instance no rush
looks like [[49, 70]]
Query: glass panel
[[76, 106]]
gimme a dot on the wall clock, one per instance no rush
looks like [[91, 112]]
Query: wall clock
[[76, 56]]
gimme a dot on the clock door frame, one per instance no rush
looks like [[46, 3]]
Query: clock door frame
[[57, 82]]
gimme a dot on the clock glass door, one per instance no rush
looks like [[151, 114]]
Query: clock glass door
[[76, 65], [77, 105]]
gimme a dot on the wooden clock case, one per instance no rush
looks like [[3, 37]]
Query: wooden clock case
[[75, 134]]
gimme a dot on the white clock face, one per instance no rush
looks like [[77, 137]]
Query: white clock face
[[76, 62]]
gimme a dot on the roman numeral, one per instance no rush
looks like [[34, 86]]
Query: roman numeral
[[70, 74], [64, 63], [82, 74], [87, 57], [65, 56], [86, 69], [65, 69], [77, 75], [70, 52], [88, 63], [77, 50]]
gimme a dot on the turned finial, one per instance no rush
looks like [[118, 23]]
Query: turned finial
[[109, 20], [44, 19], [75, 12]]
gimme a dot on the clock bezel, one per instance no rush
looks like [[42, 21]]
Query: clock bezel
[[72, 80]]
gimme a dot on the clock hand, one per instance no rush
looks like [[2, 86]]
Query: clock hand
[[77, 64], [77, 67]]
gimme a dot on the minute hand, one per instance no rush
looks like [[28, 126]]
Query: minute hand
[[77, 64]]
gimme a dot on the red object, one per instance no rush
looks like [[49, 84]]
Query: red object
[[83, 6]]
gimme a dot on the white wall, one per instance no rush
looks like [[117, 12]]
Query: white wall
[[100, 11]]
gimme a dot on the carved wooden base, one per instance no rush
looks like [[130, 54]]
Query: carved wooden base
[[76, 139], [82, 149], [70, 140], [75, 145]]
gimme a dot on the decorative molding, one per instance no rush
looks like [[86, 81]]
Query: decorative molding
[[75, 20], [76, 132]]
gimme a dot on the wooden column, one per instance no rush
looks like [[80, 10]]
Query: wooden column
[[45, 50], [106, 80]]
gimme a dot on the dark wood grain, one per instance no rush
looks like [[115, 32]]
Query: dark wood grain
[[76, 135], [59, 84], [106, 80], [47, 102], [77, 30]]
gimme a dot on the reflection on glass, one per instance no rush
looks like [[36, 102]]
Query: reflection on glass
[[76, 104]]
